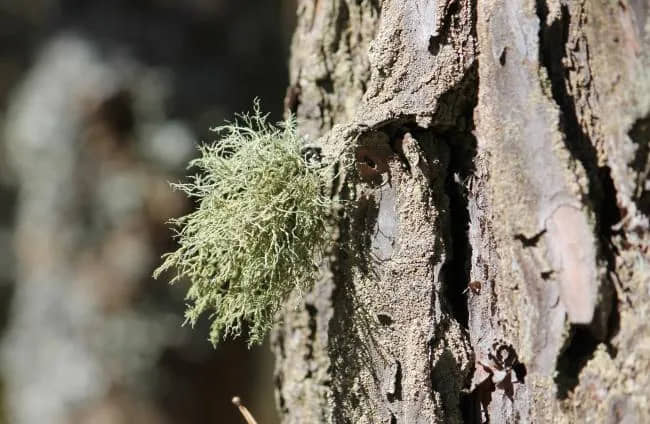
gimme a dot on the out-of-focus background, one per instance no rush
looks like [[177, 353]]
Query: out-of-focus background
[[101, 104]]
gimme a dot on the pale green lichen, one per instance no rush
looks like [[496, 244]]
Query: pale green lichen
[[259, 230]]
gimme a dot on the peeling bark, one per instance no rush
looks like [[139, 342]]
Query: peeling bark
[[495, 263]]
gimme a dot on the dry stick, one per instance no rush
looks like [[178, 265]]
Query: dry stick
[[247, 415]]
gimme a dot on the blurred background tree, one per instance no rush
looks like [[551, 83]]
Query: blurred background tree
[[102, 103]]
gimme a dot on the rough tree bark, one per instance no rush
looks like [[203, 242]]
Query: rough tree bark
[[496, 266]]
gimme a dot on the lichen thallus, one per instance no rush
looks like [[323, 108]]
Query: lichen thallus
[[260, 229]]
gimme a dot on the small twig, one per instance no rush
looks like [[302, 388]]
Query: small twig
[[247, 415]]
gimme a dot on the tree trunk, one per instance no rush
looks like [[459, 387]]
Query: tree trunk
[[495, 265]]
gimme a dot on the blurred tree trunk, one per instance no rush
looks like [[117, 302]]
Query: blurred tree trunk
[[496, 264]]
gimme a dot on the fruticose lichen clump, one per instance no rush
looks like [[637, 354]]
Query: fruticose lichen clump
[[258, 232]]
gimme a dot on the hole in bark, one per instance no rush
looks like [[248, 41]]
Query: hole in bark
[[546, 274], [385, 319], [502, 57], [372, 165], [434, 45]]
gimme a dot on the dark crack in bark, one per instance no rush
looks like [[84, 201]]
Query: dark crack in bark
[[600, 196]]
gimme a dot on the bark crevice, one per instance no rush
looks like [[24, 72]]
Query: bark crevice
[[600, 196], [601, 192], [457, 269]]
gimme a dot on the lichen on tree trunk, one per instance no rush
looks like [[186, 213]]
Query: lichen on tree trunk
[[495, 263]]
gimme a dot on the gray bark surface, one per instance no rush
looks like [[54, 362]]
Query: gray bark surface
[[495, 265]]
